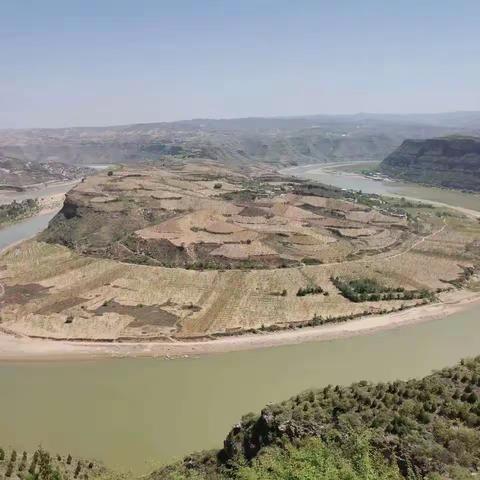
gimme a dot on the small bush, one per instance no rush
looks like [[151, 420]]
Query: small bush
[[310, 290]]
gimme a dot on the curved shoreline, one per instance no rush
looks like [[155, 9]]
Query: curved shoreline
[[18, 348], [317, 169], [15, 347]]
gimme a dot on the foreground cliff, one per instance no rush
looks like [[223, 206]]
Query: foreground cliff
[[427, 428], [452, 162]]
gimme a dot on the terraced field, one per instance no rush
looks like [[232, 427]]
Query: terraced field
[[197, 250]]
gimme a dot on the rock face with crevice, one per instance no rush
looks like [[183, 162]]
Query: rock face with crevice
[[452, 162]]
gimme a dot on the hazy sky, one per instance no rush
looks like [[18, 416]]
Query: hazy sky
[[100, 62]]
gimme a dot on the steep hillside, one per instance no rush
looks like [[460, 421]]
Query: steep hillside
[[452, 162], [427, 428]]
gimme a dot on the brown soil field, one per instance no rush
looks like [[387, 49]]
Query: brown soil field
[[152, 253]]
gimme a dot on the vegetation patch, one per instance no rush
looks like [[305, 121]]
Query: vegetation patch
[[309, 290], [370, 290], [41, 465], [16, 211], [311, 261]]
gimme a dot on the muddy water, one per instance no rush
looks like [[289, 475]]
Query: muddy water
[[135, 413], [25, 229], [348, 180], [31, 226]]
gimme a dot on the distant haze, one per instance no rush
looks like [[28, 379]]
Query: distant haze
[[121, 62]]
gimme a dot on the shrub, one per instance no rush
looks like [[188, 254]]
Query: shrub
[[310, 290]]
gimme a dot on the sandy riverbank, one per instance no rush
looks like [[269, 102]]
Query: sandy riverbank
[[16, 348]]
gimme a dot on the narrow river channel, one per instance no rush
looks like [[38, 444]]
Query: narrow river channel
[[136, 413]]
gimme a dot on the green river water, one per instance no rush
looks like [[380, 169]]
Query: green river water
[[134, 414]]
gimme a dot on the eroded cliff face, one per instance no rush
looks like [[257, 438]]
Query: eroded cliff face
[[452, 162]]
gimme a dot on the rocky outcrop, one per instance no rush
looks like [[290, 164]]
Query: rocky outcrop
[[452, 162]]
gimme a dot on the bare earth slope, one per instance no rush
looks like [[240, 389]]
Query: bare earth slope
[[184, 251]]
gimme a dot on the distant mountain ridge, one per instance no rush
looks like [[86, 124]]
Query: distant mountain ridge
[[452, 162], [279, 140]]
